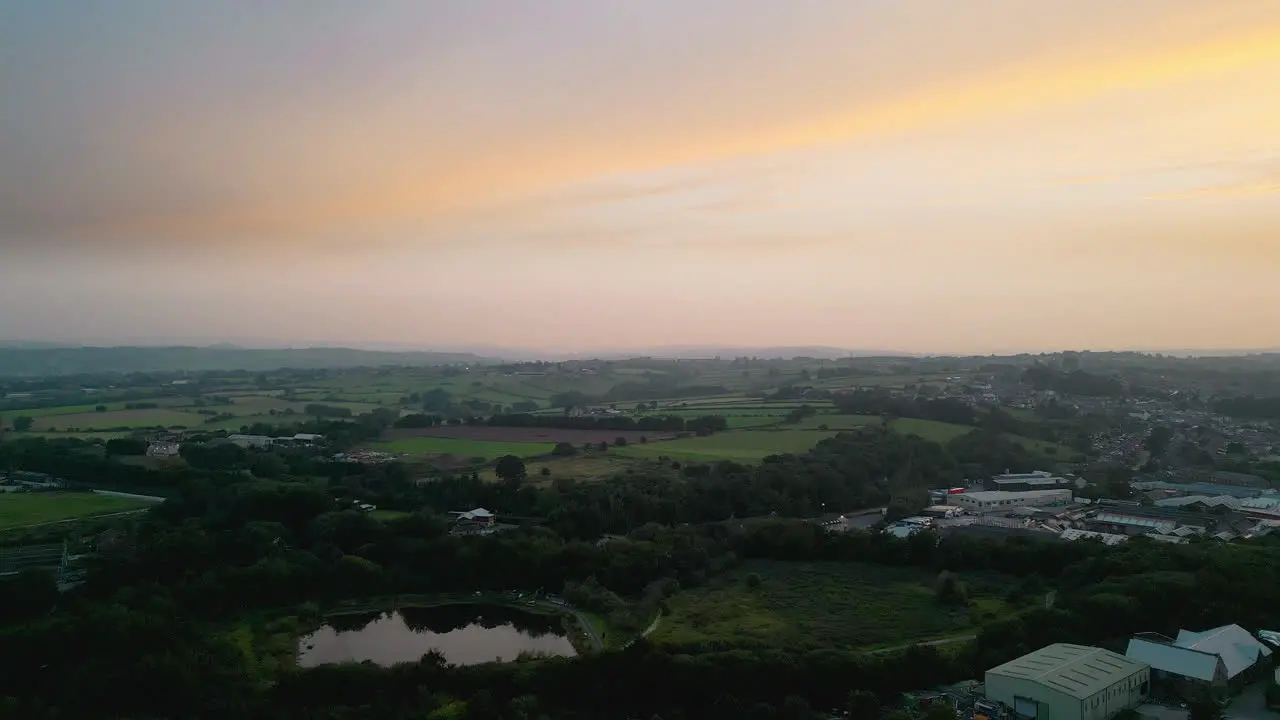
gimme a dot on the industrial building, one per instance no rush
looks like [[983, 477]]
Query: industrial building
[[1069, 682], [1021, 482], [1201, 664], [1001, 500]]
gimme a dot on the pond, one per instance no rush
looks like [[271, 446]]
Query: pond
[[464, 634]]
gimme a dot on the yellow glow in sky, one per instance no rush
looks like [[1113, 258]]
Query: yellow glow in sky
[[922, 175]]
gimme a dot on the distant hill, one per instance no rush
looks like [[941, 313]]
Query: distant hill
[[31, 362], [729, 352]]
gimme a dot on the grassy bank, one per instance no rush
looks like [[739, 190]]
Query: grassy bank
[[819, 605]]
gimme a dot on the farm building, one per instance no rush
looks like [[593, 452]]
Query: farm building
[[1069, 682], [1212, 662], [257, 442], [1001, 500], [479, 521]]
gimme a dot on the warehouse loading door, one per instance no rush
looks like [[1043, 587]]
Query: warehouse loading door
[[1026, 707]]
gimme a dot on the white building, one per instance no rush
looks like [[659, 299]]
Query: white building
[[1211, 660], [984, 501], [259, 442], [1069, 682]]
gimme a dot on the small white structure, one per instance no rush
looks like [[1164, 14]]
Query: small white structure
[[307, 438], [162, 448]]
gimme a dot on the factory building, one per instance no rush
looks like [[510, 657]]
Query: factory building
[[1069, 682], [985, 501]]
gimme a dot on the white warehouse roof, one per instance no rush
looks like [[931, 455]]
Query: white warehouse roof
[[997, 495], [1238, 649], [1078, 671], [1173, 659]]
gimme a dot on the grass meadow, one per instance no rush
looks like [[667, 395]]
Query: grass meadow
[[740, 445], [486, 449], [799, 605], [22, 508]]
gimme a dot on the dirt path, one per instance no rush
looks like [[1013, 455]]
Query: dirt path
[[931, 643]]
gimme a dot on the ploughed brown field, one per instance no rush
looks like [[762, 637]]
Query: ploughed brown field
[[527, 434]]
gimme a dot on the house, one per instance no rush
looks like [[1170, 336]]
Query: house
[[478, 522], [1198, 664], [307, 438], [163, 448], [1069, 682]]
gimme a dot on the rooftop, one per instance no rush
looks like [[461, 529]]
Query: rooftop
[[1023, 476], [1078, 671], [994, 495], [1238, 649], [1199, 488], [1106, 538], [1161, 654], [1207, 501]]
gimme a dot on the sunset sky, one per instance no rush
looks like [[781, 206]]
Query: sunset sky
[[917, 175]]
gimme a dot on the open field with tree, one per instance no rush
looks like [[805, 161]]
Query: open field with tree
[[585, 467], [801, 605], [486, 449], [741, 445], [32, 508]]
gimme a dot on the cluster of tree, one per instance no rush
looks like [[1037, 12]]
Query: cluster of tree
[[657, 423], [317, 410], [884, 402], [1076, 382], [223, 546], [1256, 408]]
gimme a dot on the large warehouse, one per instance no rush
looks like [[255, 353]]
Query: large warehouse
[[984, 501], [1069, 682]]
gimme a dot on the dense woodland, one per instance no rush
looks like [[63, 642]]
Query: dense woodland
[[226, 549]]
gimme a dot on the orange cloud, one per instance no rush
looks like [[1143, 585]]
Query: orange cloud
[[335, 179]]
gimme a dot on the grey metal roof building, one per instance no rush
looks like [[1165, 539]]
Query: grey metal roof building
[[1213, 658], [1069, 682]]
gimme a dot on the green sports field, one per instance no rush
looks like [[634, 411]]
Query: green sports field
[[20, 508]]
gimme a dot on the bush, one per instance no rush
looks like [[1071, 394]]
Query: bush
[[545, 472], [620, 442], [564, 449], [753, 580]]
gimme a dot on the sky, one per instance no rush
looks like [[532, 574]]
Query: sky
[[567, 175]]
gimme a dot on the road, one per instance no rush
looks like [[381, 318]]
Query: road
[[934, 643], [583, 621]]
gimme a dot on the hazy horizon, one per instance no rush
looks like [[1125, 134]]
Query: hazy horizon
[[916, 176]]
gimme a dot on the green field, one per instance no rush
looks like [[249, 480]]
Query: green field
[[803, 605], [118, 418], [19, 509], [485, 449], [939, 432], [741, 445], [596, 466]]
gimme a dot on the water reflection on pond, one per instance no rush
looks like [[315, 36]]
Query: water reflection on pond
[[464, 634]]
